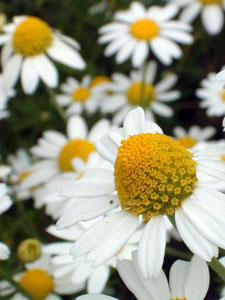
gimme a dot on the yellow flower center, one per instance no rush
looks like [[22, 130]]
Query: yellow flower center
[[139, 93], [32, 37], [23, 176], [222, 157], [38, 283], [178, 299], [144, 29], [208, 2], [187, 141], [154, 174], [223, 95], [81, 94], [29, 250], [75, 148], [99, 80]]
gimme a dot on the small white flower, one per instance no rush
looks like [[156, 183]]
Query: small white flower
[[154, 176], [212, 95], [20, 163], [5, 200], [57, 152], [212, 13], [28, 42], [138, 30], [194, 136], [130, 92], [81, 96]]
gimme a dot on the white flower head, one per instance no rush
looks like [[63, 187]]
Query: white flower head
[[4, 251], [84, 95], [130, 92], [212, 96], [137, 31], [212, 13], [28, 43], [58, 153], [154, 176]]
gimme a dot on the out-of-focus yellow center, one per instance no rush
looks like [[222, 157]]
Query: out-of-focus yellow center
[[223, 157], [79, 148], [187, 141], [23, 176], [139, 93], [223, 95], [178, 299], [32, 37], [99, 80], [81, 94], [38, 283], [144, 29], [154, 174], [208, 2]]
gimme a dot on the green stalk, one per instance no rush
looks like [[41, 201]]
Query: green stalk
[[218, 268], [16, 285], [177, 253], [143, 84]]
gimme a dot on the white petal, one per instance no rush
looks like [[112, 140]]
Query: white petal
[[178, 277], [190, 12], [11, 71], [77, 128], [140, 53], [97, 281], [95, 297], [100, 129], [213, 18], [29, 76], [151, 248], [46, 70], [134, 123]]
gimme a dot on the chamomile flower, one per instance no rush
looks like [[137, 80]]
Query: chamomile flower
[[5, 200], [4, 251], [130, 92], [48, 287], [212, 13], [58, 151], [79, 96], [212, 96], [154, 176], [194, 136], [20, 163], [183, 281], [137, 31], [79, 270], [28, 42]]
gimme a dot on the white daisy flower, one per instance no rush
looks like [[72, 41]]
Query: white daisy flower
[[81, 96], [79, 270], [4, 251], [48, 194], [130, 92], [57, 151], [48, 287], [20, 163], [194, 136], [212, 96], [137, 31], [154, 176], [183, 282], [28, 42], [5, 200], [212, 13]]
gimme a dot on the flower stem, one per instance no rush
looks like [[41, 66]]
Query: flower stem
[[143, 85], [59, 109], [16, 285], [217, 267], [177, 253]]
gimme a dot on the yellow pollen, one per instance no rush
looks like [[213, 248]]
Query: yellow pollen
[[137, 91], [178, 299], [79, 148], [153, 174], [81, 94], [144, 29], [99, 80], [187, 141], [23, 176], [38, 283], [223, 157], [223, 95], [210, 2], [32, 37]]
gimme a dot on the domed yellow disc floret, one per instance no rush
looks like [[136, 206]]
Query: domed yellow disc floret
[[81, 94], [187, 141], [208, 2], [137, 91], [32, 37], [154, 174], [144, 29], [75, 148], [99, 80], [38, 283]]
